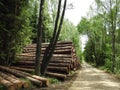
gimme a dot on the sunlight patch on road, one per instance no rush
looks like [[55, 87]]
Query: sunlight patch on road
[[110, 84]]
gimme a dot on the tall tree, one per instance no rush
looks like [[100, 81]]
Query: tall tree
[[39, 39], [50, 49], [13, 36], [111, 8]]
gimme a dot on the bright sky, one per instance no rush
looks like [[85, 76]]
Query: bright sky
[[81, 7]]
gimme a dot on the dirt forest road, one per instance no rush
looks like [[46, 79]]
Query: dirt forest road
[[90, 78]]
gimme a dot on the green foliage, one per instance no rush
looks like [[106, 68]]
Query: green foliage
[[117, 65], [1, 87], [69, 33], [83, 26], [108, 64], [47, 28], [53, 80], [15, 29], [102, 48]]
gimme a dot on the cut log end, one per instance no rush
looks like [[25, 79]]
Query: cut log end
[[45, 82]]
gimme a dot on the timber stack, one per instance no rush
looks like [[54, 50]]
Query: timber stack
[[13, 79], [63, 61]]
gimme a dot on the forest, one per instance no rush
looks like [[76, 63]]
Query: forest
[[19, 25], [30, 22], [102, 26]]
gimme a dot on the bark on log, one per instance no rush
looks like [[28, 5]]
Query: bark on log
[[60, 65], [24, 66], [56, 51], [25, 84], [32, 62], [29, 68], [22, 74], [25, 58], [58, 69], [39, 81], [31, 55], [7, 84], [46, 44], [56, 75], [45, 82], [17, 83], [60, 61], [35, 81], [23, 69]]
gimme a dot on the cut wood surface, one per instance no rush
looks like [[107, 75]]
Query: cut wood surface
[[45, 81], [17, 83], [7, 84], [25, 84], [35, 81], [22, 75]]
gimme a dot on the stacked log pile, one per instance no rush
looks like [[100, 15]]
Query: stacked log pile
[[63, 61], [14, 79]]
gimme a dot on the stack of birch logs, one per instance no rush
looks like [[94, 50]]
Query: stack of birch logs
[[13, 79], [63, 61]]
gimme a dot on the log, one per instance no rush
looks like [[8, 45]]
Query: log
[[17, 83], [25, 58], [56, 75], [23, 69], [24, 66], [33, 62], [7, 84], [49, 68], [62, 48], [32, 54], [27, 63], [60, 65], [58, 69], [56, 51], [45, 82], [64, 51], [29, 68], [61, 61], [35, 81], [22, 74], [25, 84], [46, 44], [32, 47]]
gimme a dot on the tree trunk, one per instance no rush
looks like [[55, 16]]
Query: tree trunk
[[39, 40], [47, 51], [54, 41]]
